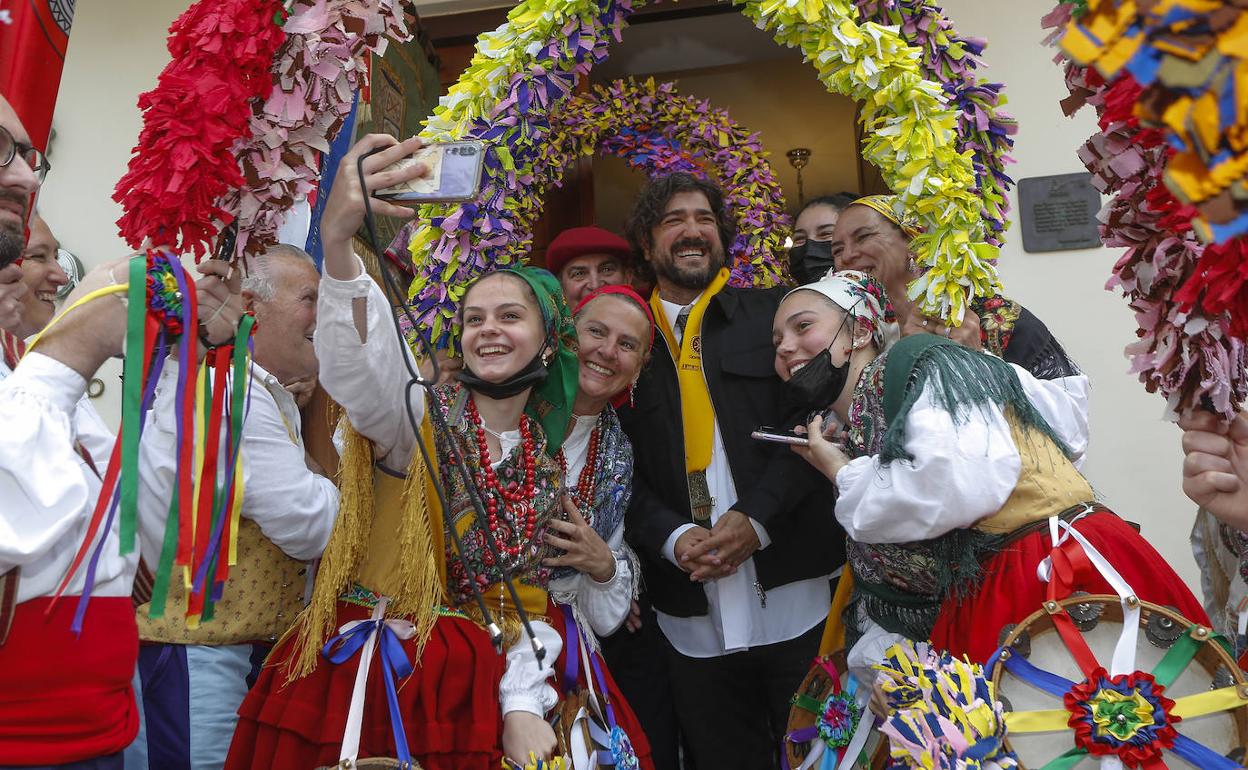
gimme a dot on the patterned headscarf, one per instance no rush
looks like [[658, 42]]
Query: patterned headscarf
[[551, 402], [889, 207], [863, 297]]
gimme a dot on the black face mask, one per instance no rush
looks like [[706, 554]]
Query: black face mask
[[817, 384], [810, 261], [530, 376]]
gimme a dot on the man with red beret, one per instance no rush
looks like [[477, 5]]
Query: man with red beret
[[584, 258]]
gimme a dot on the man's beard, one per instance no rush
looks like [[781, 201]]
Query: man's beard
[[696, 278], [10, 247], [21, 200]]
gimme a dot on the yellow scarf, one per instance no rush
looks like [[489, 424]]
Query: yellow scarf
[[697, 416]]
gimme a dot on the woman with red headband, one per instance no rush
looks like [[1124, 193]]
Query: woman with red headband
[[595, 578]]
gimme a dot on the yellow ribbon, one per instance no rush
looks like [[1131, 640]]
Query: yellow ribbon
[[697, 415], [1056, 720], [116, 288]]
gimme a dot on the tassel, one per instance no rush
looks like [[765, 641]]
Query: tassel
[[342, 557]]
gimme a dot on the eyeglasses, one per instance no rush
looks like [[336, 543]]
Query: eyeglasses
[[10, 148]]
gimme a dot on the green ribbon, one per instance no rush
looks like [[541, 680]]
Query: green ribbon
[[1066, 761], [236, 405], [132, 400], [1176, 658], [804, 701]]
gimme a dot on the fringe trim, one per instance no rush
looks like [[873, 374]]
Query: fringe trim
[[420, 590], [963, 380]]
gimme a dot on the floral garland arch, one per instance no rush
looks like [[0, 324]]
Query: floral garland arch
[[659, 131], [938, 142], [1185, 269]]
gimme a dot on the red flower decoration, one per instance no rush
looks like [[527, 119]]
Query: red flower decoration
[[1126, 715], [184, 162]]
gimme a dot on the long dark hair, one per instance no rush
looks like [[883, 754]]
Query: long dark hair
[[651, 203]]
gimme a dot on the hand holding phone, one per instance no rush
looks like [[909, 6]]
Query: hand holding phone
[[454, 174]]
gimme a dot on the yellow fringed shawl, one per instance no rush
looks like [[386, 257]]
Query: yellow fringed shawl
[[388, 550]]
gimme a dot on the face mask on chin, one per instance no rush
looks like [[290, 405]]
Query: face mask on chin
[[533, 374], [818, 384], [810, 261]]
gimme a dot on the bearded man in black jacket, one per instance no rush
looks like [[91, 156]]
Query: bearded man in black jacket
[[737, 537]]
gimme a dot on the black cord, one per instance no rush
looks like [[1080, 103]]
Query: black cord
[[440, 424]]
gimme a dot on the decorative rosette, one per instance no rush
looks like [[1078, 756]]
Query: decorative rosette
[[942, 712], [1127, 715], [623, 756], [164, 297], [526, 70], [837, 720]]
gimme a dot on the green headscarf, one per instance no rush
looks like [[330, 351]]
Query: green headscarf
[[551, 402]]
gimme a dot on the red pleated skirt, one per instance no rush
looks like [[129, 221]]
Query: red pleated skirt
[[624, 715], [449, 704], [1010, 590]]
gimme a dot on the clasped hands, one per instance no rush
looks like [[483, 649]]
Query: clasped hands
[[708, 554]]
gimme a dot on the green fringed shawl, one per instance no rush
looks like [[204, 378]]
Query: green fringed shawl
[[901, 586], [963, 380]]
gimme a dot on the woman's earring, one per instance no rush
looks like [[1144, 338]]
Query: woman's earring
[[912, 266], [631, 387], [546, 356]]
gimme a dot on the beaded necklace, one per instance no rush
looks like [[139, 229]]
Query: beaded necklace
[[583, 494], [518, 498]]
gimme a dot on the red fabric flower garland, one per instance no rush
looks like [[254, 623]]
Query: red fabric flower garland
[[184, 161]]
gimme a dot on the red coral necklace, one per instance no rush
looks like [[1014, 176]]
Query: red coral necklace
[[516, 498], [583, 494]]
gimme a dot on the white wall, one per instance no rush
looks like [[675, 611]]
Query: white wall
[[1135, 461], [117, 49]]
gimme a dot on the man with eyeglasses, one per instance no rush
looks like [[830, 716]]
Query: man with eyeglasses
[[22, 169], [66, 699]]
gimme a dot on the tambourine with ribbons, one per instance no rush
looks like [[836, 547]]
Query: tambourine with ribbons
[[828, 729], [588, 733], [1175, 699]]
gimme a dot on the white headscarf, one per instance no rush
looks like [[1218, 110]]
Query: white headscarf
[[863, 297]]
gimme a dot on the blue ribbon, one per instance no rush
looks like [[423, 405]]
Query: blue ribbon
[[1051, 683], [1195, 753], [394, 665]]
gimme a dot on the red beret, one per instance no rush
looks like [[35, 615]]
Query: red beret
[[579, 241]]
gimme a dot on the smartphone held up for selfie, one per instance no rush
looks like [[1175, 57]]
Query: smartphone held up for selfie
[[454, 174]]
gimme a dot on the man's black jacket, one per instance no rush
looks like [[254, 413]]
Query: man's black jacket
[[774, 486]]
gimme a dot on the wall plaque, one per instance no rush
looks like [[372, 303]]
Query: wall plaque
[[1059, 212]]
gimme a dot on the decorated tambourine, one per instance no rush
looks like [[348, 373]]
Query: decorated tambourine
[[1183, 703], [824, 721]]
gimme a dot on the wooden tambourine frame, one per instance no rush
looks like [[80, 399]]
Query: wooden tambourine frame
[[1210, 655], [818, 686]]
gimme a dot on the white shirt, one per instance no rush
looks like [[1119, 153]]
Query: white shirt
[[47, 490], [294, 507], [740, 615], [603, 605], [960, 474], [367, 377]]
